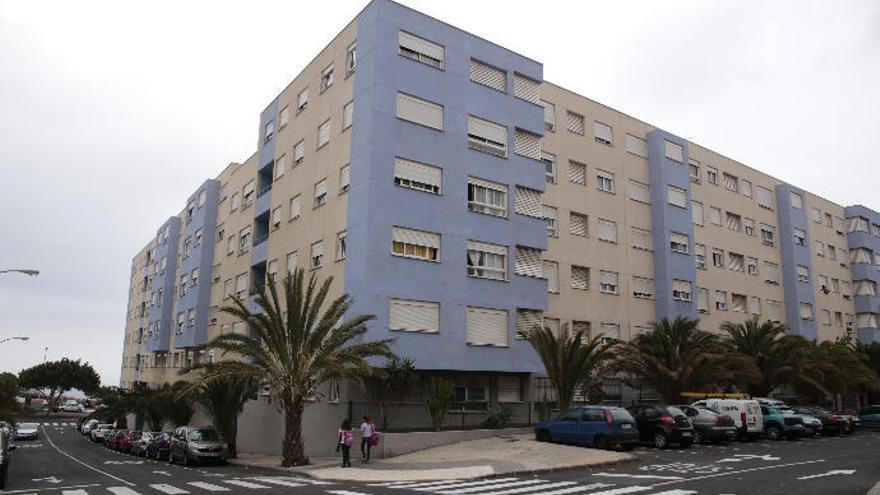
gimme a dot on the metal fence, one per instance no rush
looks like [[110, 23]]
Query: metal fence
[[415, 417]]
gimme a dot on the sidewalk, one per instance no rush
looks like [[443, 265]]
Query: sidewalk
[[505, 455]]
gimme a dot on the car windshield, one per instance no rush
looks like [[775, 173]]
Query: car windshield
[[674, 411], [206, 435], [27, 426], [621, 415]]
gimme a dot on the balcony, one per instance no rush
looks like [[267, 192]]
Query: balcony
[[261, 239]]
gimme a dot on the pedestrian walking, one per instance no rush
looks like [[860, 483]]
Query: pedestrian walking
[[369, 438], [345, 439]]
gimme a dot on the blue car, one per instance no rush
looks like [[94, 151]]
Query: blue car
[[870, 417], [600, 427]]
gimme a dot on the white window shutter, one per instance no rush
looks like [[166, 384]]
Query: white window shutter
[[423, 46], [526, 89], [526, 319], [602, 132], [580, 277], [417, 172], [676, 196], [415, 237], [527, 144], [528, 202], [640, 239], [488, 76], [636, 145], [577, 173], [578, 224], [419, 111], [575, 123], [607, 230], [528, 262], [674, 152], [551, 273], [486, 327], [639, 191], [414, 316]]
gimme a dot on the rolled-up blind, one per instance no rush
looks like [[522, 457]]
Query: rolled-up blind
[[607, 230], [609, 278], [602, 131], [551, 273], [771, 272], [526, 88], [420, 111], [636, 146], [697, 212], [640, 191], [526, 319], [485, 247], [866, 320], [774, 311], [321, 188], [703, 300], [414, 316], [419, 45], [674, 152], [415, 237], [640, 238], [417, 172], [528, 202], [486, 327], [487, 130], [643, 287]]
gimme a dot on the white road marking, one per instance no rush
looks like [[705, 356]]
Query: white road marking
[[50, 479], [459, 484], [245, 484], [74, 492], [532, 488], [275, 481], [208, 486], [105, 473], [170, 490], [621, 491], [728, 473], [576, 489], [829, 473], [414, 485], [473, 489], [122, 490], [674, 492], [345, 492], [638, 476]]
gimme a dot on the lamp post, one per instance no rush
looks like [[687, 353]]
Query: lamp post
[[13, 338], [27, 271]]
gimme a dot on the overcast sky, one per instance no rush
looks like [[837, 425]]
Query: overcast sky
[[112, 113]]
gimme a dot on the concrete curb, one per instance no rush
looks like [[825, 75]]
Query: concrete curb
[[875, 490]]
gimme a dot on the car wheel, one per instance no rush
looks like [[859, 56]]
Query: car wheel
[[185, 459], [660, 441], [544, 436], [698, 437], [685, 444], [600, 443], [170, 457], [773, 432]]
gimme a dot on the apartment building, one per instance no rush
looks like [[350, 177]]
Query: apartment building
[[460, 198]]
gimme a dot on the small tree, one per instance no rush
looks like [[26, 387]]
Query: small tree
[[8, 396], [58, 377], [440, 400], [115, 404], [391, 382], [176, 403], [223, 397]]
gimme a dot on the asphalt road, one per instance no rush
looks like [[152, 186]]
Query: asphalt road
[[63, 462]]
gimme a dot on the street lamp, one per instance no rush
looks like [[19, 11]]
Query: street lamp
[[13, 338], [26, 271]]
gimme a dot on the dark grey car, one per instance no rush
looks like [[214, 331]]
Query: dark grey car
[[190, 444], [710, 426], [5, 448]]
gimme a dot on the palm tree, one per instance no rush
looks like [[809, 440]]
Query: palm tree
[[779, 359], [572, 361], [223, 398], [301, 342], [844, 369], [676, 357]]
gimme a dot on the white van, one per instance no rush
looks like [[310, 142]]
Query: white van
[[746, 414]]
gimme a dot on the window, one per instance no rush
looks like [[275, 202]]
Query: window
[[276, 218], [582, 327], [549, 161], [324, 133], [829, 221], [268, 131], [347, 112], [841, 256], [697, 212], [832, 252], [418, 176], [577, 173], [866, 320], [797, 201], [765, 197], [643, 287], [755, 305], [302, 100], [640, 239], [180, 323], [822, 281], [528, 262], [551, 219], [602, 133], [320, 193], [551, 273], [700, 255], [487, 137], [800, 237], [528, 202], [341, 245], [639, 191], [678, 243], [816, 213], [299, 151], [676, 196], [488, 76], [703, 300], [526, 88], [283, 117], [244, 240], [578, 224], [580, 277], [230, 245], [414, 316], [745, 188], [845, 289], [771, 273], [865, 288], [575, 123], [838, 319], [487, 327], [674, 151], [607, 230], [549, 116], [327, 78], [203, 195], [486, 260], [714, 215], [839, 225], [694, 170], [736, 262], [241, 286], [768, 235], [351, 58], [272, 271], [774, 310], [605, 181], [681, 290], [160, 293], [721, 300], [418, 244], [733, 221], [608, 282], [731, 182], [280, 166], [752, 265], [421, 50], [806, 311], [636, 146], [295, 209], [247, 193], [718, 257], [610, 332], [820, 249], [749, 226], [857, 224], [835, 286], [292, 261], [712, 175], [860, 255], [739, 303], [317, 254]]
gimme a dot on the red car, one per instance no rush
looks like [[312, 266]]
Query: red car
[[113, 438], [128, 440]]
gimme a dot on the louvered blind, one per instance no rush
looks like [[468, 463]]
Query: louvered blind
[[610, 330], [734, 222], [575, 123], [866, 320], [697, 212], [414, 316], [488, 76], [636, 146], [774, 311], [528, 202], [640, 238], [764, 196], [417, 172], [528, 262], [643, 287], [865, 288], [324, 133], [607, 230], [745, 188], [602, 132], [677, 238], [526, 319], [674, 152], [321, 188], [577, 173], [677, 196], [580, 277], [703, 300], [755, 305], [419, 111], [578, 224], [527, 144], [486, 327], [415, 237], [549, 115], [797, 201], [551, 273], [526, 89], [736, 262], [639, 191], [419, 45], [509, 389], [771, 272], [806, 311], [681, 286], [714, 215], [609, 278]]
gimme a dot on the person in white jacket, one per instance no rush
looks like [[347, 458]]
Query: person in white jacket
[[367, 431]]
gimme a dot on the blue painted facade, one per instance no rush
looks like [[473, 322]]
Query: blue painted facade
[[263, 203], [667, 219], [372, 275], [865, 271], [796, 292], [197, 297], [160, 317]]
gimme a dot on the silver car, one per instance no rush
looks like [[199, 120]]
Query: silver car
[[27, 431], [190, 444]]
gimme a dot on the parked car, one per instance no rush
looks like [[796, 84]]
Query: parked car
[[5, 428], [6, 447], [709, 426], [145, 446], [600, 427], [870, 417], [72, 406], [832, 423], [189, 444], [100, 431], [27, 431], [852, 423], [86, 427], [661, 425], [160, 447], [746, 414], [778, 425], [127, 441], [114, 439]]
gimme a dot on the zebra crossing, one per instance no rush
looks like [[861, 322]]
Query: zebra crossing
[[520, 486], [268, 484]]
